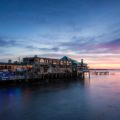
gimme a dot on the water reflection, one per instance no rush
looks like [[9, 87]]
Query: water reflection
[[95, 98]]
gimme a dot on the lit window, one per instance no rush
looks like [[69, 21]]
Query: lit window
[[54, 62], [61, 62], [41, 60]]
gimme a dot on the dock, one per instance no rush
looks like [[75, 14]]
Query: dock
[[100, 71]]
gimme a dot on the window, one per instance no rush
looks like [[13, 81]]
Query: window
[[42, 61], [49, 61], [68, 63], [61, 62], [46, 61], [54, 62], [5, 67], [36, 60], [9, 67]]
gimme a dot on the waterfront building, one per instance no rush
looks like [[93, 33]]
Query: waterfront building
[[13, 66], [41, 68], [42, 65], [39, 65], [77, 67], [48, 65]]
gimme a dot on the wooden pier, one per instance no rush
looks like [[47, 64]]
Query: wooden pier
[[101, 72], [45, 78]]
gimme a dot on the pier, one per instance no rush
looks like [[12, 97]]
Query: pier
[[47, 78], [100, 71], [46, 70]]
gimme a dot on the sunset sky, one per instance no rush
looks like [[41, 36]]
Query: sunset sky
[[88, 29]]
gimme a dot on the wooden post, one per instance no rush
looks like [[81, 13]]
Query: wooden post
[[89, 74]]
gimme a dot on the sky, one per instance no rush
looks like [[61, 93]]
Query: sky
[[88, 29]]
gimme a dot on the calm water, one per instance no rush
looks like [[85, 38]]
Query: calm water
[[94, 99]]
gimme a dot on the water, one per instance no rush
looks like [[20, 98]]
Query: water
[[94, 99]]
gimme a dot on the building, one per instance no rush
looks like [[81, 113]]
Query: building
[[36, 67], [13, 66], [50, 65], [45, 61], [46, 65], [77, 67]]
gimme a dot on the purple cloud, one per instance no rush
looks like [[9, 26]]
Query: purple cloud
[[112, 46], [92, 45]]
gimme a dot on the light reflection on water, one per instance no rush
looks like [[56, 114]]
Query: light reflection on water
[[97, 99]]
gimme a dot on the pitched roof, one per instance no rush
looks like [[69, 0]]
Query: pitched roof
[[73, 61], [69, 59], [65, 58]]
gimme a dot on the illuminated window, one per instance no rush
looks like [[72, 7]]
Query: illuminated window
[[61, 62], [54, 62], [68, 63], [65, 62], [42, 61]]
